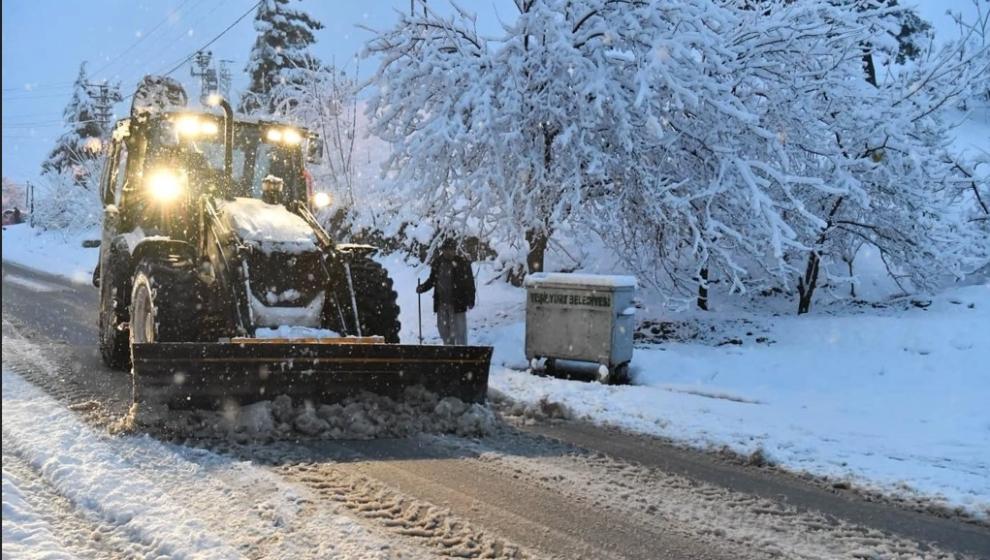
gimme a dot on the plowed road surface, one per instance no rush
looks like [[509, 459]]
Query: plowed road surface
[[549, 490]]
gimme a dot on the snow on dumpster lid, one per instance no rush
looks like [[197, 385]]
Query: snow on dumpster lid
[[547, 279]]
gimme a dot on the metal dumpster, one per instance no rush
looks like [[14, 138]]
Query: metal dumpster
[[581, 317]]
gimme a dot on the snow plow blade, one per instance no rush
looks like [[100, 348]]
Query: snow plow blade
[[210, 375]]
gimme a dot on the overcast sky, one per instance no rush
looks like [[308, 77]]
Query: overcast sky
[[45, 40]]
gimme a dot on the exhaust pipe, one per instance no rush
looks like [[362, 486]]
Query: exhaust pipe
[[217, 100]]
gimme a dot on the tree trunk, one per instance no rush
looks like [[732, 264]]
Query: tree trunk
[[808, 283], [537, 240], [869, 67], [852, 283], [703, 289]]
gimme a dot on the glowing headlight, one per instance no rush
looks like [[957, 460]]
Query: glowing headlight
[[187, 126], [192, 126], [283, 135], [321, 200], [165, 185], [291, 136]]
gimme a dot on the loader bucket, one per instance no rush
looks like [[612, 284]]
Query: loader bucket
[[209, 375]]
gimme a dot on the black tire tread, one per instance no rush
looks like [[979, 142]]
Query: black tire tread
[[115, 346], [177, 296], [376, 300]]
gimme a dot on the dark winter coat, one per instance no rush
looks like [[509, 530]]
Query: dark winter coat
[[461, 294]]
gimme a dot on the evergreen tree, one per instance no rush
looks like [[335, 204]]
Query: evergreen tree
[[81, 141], [279, 55], [914, 33]]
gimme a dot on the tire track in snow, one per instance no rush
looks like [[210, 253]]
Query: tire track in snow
[[180, 501], [34, 511], [403, 515], [743, 522], [418, 483]]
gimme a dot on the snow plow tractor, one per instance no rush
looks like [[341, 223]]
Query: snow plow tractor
[[218, 285]]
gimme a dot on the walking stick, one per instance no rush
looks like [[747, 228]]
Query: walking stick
[[419, 310]]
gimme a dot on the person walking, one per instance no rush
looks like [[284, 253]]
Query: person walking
[[453, 292]]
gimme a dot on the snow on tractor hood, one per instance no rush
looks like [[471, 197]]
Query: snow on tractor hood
[[269, 227]]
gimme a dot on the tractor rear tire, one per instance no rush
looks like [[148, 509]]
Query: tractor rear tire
[[376, 299]]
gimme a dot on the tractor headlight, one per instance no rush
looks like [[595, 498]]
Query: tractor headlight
[[288, 136], [192, 127], [291, 137], [165, 185], [321, 200]]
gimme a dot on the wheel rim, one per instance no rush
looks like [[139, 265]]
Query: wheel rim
[[143, 318]]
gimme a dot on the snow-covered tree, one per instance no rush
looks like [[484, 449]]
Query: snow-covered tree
[[704, 140], [914, 34], [504, 137], [324, 99], [82, 140], [280, 53]]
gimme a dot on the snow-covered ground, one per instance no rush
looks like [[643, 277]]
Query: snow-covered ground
[[144, 498], [55, 252], [891, 399]]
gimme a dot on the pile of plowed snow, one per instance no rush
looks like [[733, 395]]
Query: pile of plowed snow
[[367, 416]]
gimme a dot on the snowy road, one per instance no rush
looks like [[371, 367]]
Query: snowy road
[[547, 490]]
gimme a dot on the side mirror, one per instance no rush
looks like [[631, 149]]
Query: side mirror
[[314, 149]]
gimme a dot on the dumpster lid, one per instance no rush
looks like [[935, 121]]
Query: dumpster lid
[[609, 281]]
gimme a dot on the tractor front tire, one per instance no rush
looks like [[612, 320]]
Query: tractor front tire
[[166, 304], [377, 307]]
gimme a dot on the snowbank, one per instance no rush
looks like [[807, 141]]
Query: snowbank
[[366, 416], [55, 252]]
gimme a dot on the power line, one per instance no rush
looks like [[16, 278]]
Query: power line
[[165, 41], [130, 47], [214, 40], [67, 85], [45, 124], [29, 97], [172, 41], [33, 87]]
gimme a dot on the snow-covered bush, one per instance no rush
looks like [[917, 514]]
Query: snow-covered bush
[[62, 202]]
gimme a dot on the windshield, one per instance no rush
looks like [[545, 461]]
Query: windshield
[[202, 157]]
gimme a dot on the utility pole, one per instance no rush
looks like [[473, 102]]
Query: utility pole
[[104, 97], [209, 83], [30, 189]]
